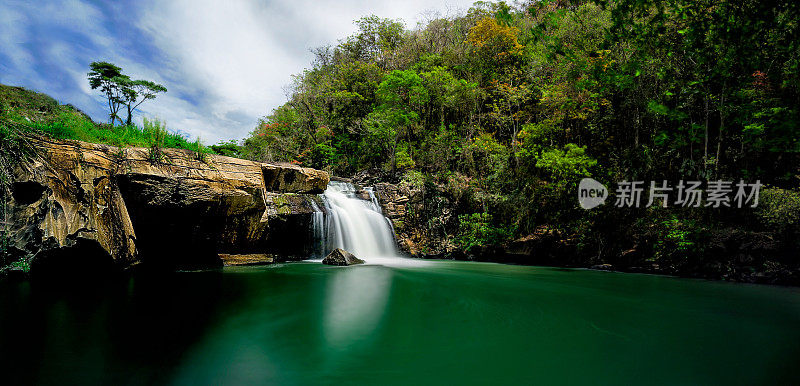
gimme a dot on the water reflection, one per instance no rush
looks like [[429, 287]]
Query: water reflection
[[355, 301], [451, 323]]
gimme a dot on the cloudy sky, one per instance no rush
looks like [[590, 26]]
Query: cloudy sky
[[225, 63]]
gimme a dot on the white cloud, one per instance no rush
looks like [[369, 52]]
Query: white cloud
[[238, 55], [10, 37]]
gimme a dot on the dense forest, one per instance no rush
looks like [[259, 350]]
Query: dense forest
[[500, 111]]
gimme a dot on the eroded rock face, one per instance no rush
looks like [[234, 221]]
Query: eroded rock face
[[78, 203], [291, 178], [341, 257], [59, 206], [412, 217]]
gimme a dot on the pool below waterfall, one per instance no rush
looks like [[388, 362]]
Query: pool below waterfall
[[403, 322]]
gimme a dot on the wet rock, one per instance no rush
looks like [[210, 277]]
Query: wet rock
[[288, 178], [248, 259], [341, 179], [341, 257], [544, 246], [603, 267], [420, 226], [362, 194]]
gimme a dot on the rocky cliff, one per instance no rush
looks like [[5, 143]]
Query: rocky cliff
[[78, 204], [421, 224]]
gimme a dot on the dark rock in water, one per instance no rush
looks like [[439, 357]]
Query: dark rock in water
[[603, 267], [341, 257], [16, 273]]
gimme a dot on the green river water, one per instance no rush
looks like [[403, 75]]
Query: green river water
[[434, 322]]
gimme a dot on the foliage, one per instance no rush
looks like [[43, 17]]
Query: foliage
[[403, 161], [566, 166], [229, 148], [486, 156], [400, 96], [494, 42], [477, 229], [376, 40], [677, 239], [779, 210], [318, 156], [23, 264], [136, 92]]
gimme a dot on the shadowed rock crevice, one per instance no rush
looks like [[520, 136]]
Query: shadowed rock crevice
[[83, 256], [27, 192], [176, 224]]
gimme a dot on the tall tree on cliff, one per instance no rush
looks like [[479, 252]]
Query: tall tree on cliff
[[121, 90], [109, 79], [137, 91]]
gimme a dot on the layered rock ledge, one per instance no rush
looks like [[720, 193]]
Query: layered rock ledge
[[84, 204]]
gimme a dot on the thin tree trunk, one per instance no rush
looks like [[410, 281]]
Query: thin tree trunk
[[394, 158], [721, 128], [636, 125], [705, 146], [111, 110]]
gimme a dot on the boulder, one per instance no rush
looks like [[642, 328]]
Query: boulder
[[341, 257]]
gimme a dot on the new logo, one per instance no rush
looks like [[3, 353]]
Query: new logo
[[591, 193]]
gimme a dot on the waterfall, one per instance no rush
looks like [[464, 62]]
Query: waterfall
[[352, 223]]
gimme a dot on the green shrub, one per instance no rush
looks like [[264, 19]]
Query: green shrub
[[404, 161], [23, 264], [320, 156], [675, 238], [486, 157], [156, 132], [154, 155], [200, 152], [230, 148], [566, 166], [477, 230], [779, 210], [414, 178]]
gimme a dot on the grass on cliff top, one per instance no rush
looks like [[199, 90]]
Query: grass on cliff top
[[28, 111]]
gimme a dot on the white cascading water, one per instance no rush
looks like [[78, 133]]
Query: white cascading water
[[353, 224]]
